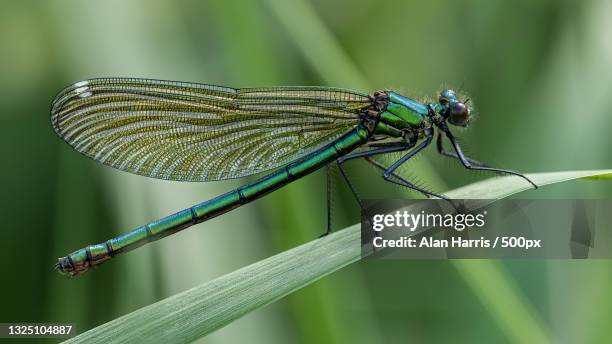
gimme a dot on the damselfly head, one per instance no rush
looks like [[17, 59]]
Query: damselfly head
[[454, 110]]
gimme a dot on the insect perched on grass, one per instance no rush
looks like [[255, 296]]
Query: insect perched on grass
[[194, 132]]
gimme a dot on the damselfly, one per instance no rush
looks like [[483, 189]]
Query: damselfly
[[195, 132]]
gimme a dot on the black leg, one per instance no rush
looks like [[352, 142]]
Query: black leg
[[386, 144], [355, 194], [389, 172], [417, 149], [441, 150], [329, 195], [387, 148], [392, 147], [403, 182], [329, 191], [467, 163]]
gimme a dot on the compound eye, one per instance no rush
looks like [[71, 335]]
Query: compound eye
[[446, 96], [459, 114]]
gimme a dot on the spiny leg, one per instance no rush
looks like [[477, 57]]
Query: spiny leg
[[400, 146], [440, 148], [351, 187], [392, 147], [329, 205], [389, 172], [328, 174], [465, 161], [388, 148], [412, 153], [403, 182]]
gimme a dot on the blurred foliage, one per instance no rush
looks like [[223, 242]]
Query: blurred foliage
[[537, 72]]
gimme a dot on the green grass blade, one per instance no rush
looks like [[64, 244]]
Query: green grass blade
[[199, 311], [497, 188], [599, 177]]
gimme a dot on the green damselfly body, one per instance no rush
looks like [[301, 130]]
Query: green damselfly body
[[196, 132]]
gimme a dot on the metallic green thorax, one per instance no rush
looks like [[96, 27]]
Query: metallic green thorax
[[82, 260], [413, 105], [400, 113]]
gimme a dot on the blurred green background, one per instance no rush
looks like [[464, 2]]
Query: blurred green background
[[538, 73]]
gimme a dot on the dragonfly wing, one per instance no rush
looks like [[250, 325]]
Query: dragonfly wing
[[195, 132]]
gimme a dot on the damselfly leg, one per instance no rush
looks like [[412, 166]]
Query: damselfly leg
[[386, 148], [466, 162], [415, 151], [388, 175], [328, 193], [398, 180], [389, 172], [453, 155]]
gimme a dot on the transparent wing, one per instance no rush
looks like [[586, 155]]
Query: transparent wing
[[195, 132]]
